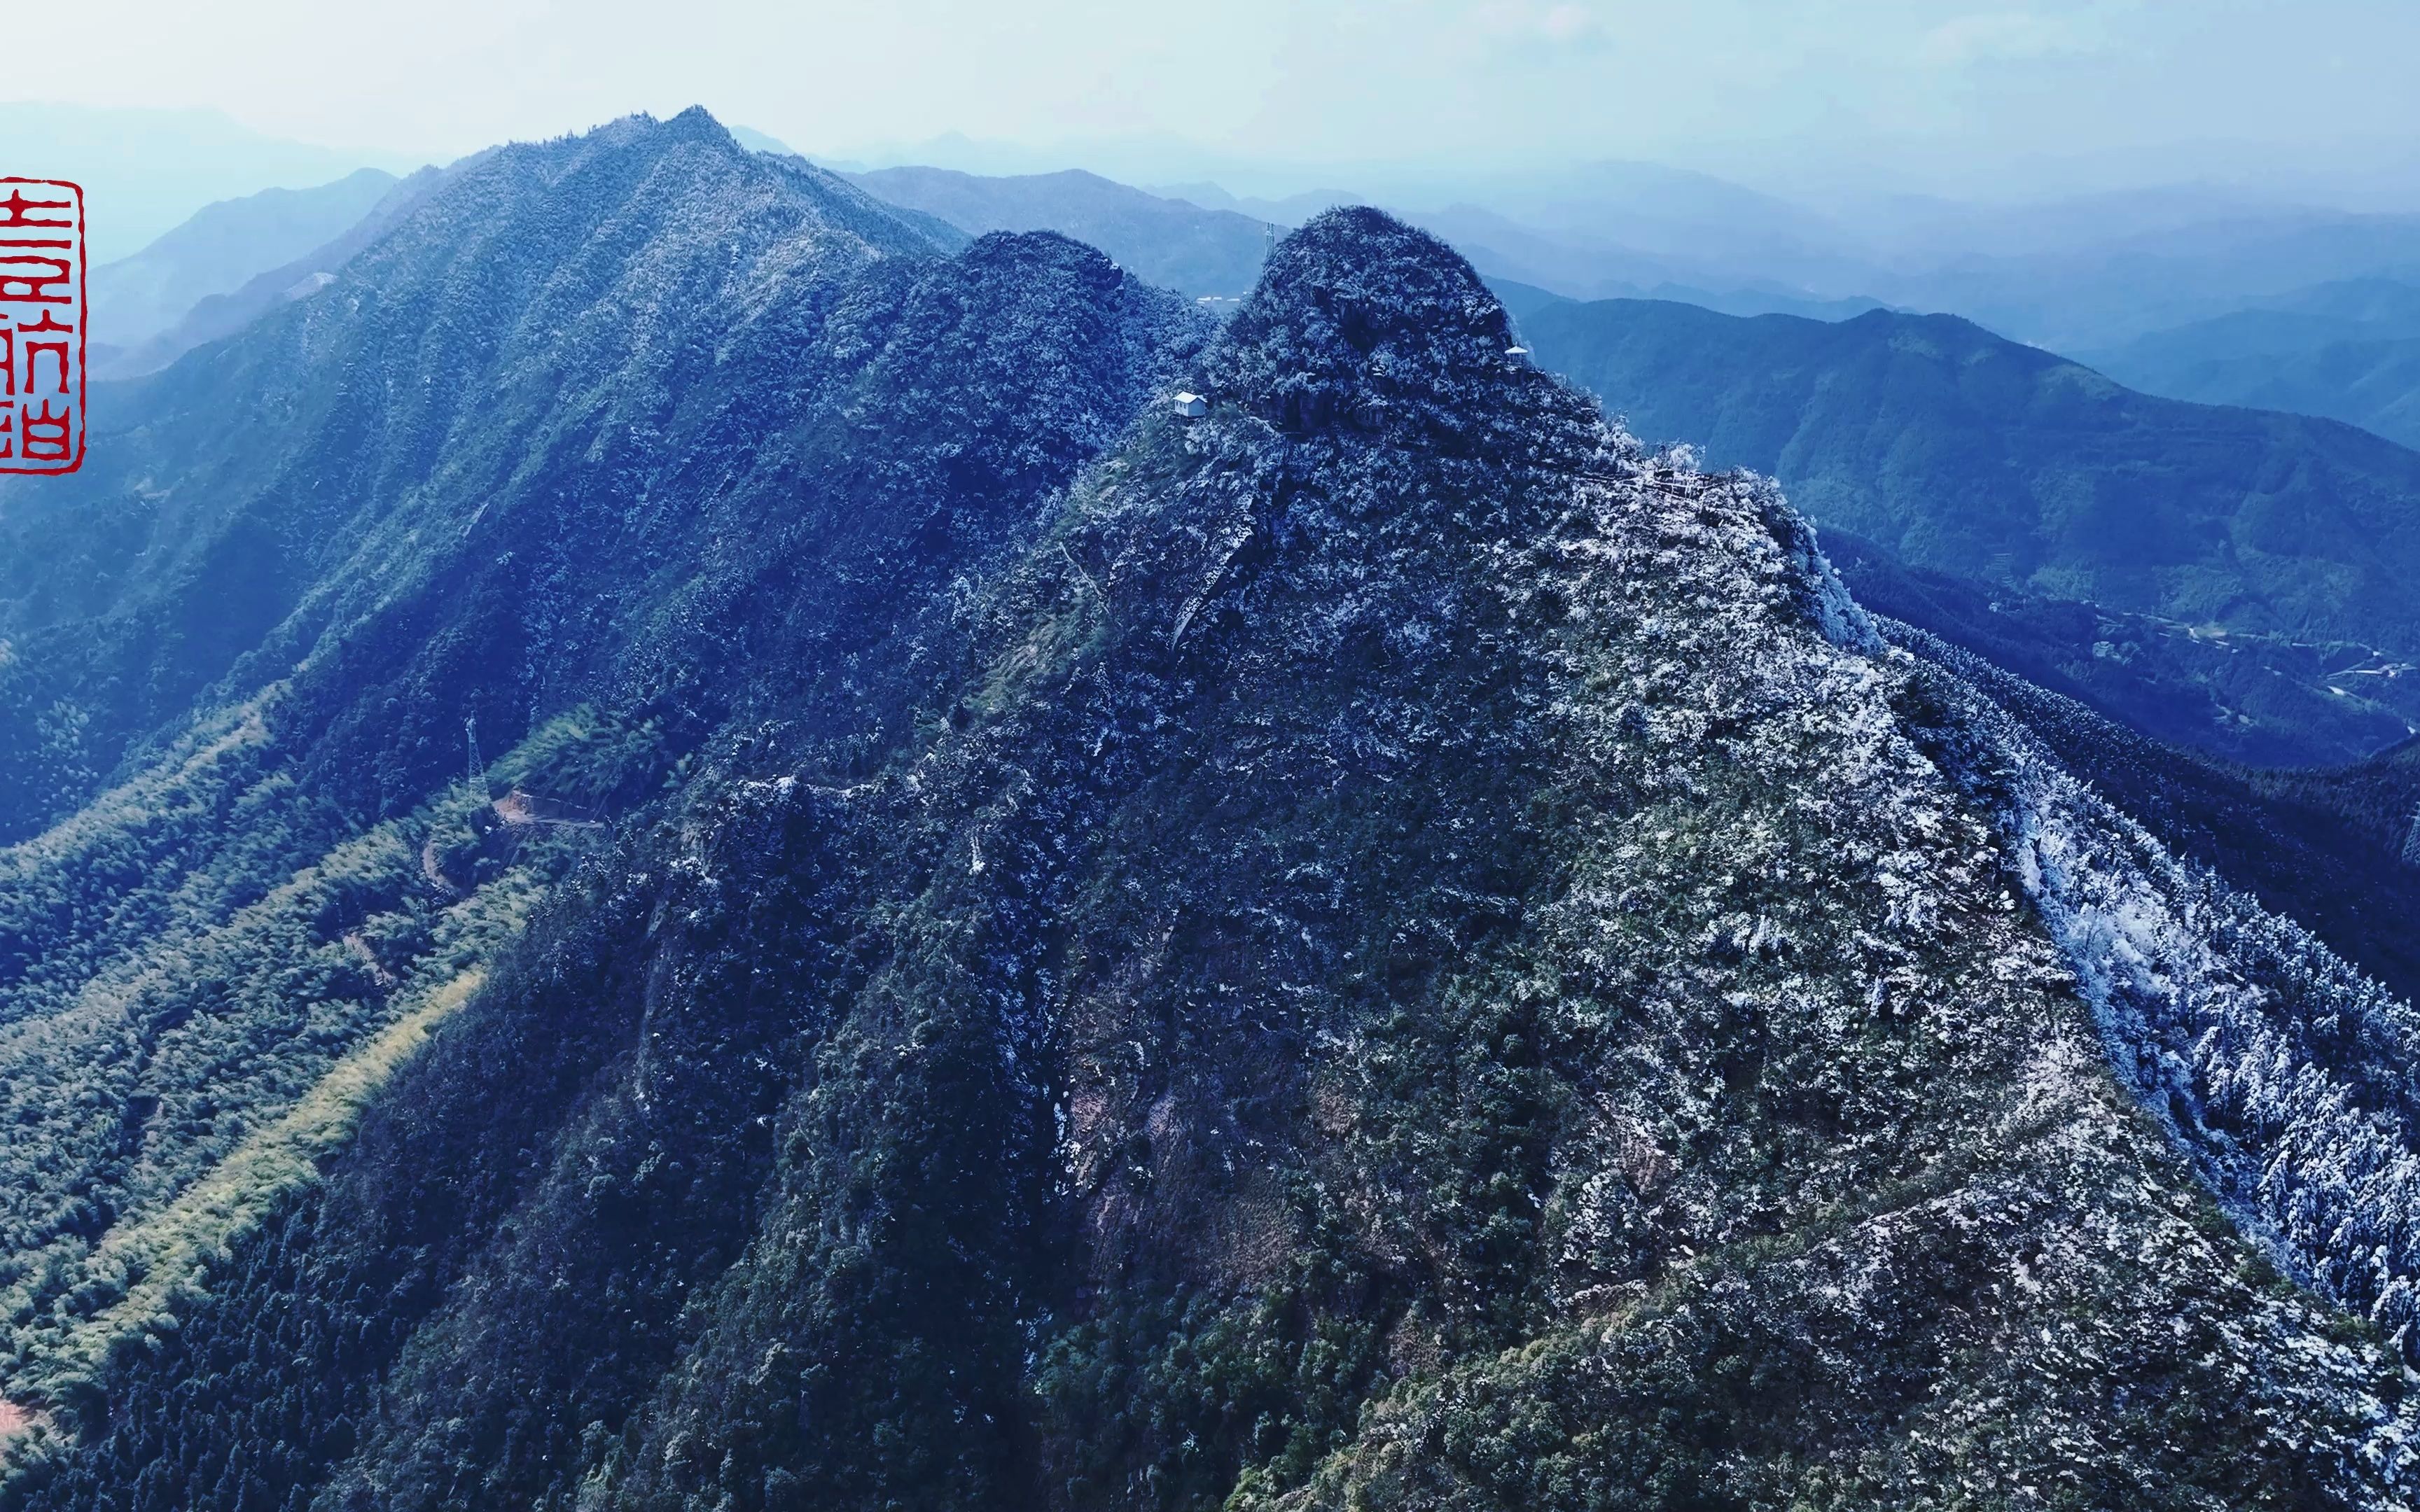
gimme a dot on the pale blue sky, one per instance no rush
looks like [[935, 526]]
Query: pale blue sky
[[1977, 98]]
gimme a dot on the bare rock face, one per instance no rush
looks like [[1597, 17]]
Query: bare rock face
[[1381, 946]]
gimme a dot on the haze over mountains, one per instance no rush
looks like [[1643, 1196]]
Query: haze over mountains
[[2185, 293], [2144, 656], [2073, 275], [224, 246], [145, 172], [1201, 253], [2085, 276], [2348, 350]]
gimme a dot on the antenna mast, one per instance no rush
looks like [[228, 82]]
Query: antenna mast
[[470, 738]]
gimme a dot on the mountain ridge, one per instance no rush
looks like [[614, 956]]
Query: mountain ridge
[[136, 614], [852, 378], [1381, 944]]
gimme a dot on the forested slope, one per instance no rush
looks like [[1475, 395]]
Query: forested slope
[[1385, 947], [691, 483], [2256, 700], [553, 302], [1963, 452]]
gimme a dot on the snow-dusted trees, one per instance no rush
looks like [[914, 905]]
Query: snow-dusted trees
[[2288, 1075]]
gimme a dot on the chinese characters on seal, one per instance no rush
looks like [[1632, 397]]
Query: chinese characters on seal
[[41, 326]]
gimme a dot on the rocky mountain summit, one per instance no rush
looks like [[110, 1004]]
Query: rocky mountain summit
[[1383, 945]]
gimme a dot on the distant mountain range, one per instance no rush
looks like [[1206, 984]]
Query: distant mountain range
[[223, 247], [1213, 254], [2139, 650], [274, 254], [2086, 273], [2085, 276], [1616, 229], [1505, 249], [1963, 452], [145, 172], [2081, 273], [2350, 351], [1285, 209], [1214, 250], [2373, 384], [2246, 583]]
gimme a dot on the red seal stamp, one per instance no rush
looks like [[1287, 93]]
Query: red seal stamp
[[41, 326]]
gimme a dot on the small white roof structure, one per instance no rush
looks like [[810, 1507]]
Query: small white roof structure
[[1192, 405], [1516, 352]]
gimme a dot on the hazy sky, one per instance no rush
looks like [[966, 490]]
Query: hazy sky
[[1947, 96]]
